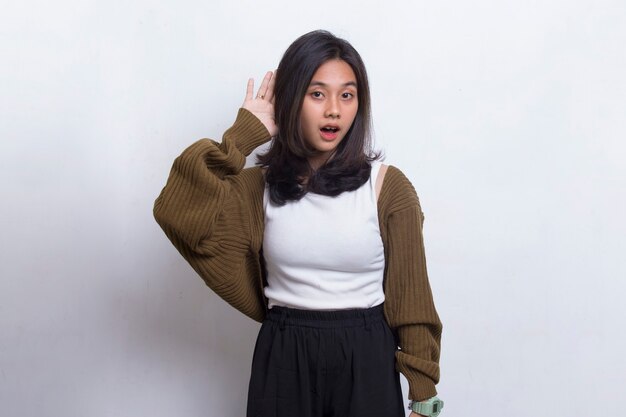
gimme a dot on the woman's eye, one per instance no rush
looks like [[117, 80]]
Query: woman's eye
[[316, 94], [347, 95]]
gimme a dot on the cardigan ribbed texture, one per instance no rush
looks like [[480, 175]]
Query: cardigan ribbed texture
[[211, 209]]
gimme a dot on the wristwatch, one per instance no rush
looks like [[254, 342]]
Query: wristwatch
[[429, 408]]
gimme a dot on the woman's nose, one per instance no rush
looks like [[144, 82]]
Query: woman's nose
[[332, 110]]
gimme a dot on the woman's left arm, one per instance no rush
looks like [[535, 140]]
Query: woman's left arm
[[409, 305]]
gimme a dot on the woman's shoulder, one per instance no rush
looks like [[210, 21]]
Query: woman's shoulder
[[397, 191], [255, 171], [395, 180], [251, 179]]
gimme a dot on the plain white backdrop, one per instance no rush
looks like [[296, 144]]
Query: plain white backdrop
[[508, 117]]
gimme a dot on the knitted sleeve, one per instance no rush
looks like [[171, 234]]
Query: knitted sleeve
[[409, 305], [211, 210]]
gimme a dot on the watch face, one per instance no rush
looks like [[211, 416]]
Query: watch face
[[430, 407], [437, 406]]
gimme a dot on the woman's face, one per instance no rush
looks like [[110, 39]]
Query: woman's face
[[329, 108]]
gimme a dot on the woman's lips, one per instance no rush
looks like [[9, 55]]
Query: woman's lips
[[329, 134]]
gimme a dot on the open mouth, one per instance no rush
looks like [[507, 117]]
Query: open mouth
[[329, 132]]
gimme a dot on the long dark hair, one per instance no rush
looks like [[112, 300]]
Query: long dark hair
[[288, 173]]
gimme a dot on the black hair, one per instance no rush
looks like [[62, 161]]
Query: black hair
[[288, 173]]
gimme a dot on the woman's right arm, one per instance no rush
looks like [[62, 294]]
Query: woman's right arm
[[204, 181], [209, 207]]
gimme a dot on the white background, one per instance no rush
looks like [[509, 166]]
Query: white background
[[508, 117]]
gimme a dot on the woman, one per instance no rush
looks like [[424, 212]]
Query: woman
[[321, 243]]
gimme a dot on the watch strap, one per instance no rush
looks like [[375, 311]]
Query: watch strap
[[430, 407]]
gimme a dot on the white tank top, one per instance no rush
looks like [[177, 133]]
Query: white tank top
[[325, 253]]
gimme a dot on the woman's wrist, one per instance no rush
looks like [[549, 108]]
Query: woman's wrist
[[430, 407]]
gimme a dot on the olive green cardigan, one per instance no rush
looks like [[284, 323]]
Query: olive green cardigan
[[211, 209]]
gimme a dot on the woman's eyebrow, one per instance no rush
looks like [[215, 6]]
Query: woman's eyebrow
[[321, 84]]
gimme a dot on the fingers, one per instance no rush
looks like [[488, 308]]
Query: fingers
[[269, 94], [262, 93], [266, 90], [250, 89]]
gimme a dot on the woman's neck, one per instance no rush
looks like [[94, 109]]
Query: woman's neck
[[318, 160]]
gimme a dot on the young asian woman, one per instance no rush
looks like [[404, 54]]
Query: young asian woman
[[320, 242]]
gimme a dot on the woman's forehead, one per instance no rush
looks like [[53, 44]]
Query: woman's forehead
[[334, 73]]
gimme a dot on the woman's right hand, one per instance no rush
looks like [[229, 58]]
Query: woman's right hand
[[262, 105]]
